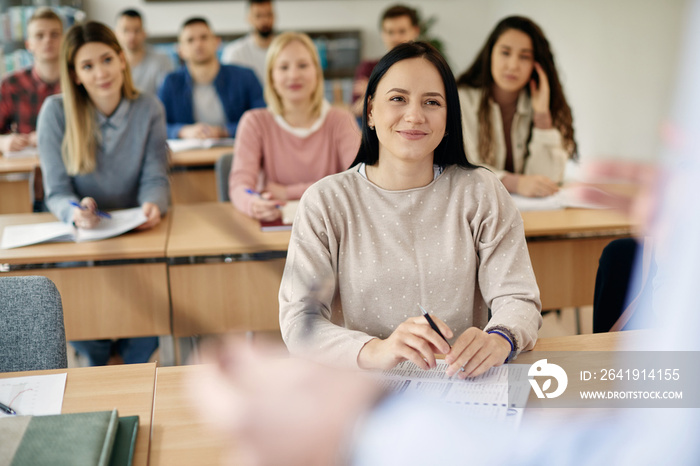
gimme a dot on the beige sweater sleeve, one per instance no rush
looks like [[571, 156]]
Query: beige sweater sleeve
[[309, 290]]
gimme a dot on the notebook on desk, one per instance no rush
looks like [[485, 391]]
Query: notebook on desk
[[63, 439], [15, 236]]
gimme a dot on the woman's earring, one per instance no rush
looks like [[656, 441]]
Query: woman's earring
[[371, 127]]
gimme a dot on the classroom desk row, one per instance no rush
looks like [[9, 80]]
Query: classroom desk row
[[170, 431], [192, 179], [207, 268]]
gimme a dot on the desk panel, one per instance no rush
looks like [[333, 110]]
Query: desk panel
[[129, 388], [213, 298], [111, 301], [565, 269]]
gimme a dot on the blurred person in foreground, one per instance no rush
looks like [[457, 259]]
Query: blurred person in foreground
[[386, 430]]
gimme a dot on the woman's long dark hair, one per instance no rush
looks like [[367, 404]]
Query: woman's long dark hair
[[478, 75], [450, 151]]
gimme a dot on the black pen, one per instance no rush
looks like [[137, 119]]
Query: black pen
[[6, 409], [432, 324]]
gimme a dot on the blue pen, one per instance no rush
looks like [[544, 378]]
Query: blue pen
[[99, 213], [255, 193]]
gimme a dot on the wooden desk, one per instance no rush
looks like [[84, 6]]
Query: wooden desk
[[112, 288], [129, 388], [179, 436], [213, 267], [224, 271], [565, 246], [15, 189], [192, 178]]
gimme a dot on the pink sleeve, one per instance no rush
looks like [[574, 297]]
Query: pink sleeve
[[246, 162]]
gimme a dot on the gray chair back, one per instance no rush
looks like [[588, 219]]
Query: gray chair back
[[222, 168], [32, 334]]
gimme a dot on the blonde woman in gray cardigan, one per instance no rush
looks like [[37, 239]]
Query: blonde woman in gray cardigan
[[411, 222]]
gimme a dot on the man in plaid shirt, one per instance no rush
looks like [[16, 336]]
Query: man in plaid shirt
[[23, 91]]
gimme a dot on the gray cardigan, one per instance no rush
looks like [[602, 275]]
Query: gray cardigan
[[132, 158]]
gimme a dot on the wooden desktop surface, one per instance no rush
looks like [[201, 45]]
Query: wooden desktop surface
[[570, 222], [181, 437], [129, 388], [216, 228], [104, 301], [18, 164]]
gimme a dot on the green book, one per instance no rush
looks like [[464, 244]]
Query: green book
[[125, 441], [76, 439]]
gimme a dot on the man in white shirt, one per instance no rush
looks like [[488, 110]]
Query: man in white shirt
[[148, 67], [250, 50]]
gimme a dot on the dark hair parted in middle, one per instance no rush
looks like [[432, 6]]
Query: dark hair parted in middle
[[478, 76], [450, 151]]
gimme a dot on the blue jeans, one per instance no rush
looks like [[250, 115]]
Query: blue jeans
[[132, 350]]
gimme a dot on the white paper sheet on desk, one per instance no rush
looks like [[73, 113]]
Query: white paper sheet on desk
[[565, 197], [485, 396], [180, 145], [15, 236], [18, 154], [35, 395]]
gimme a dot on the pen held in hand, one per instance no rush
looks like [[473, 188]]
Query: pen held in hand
[[432, 324], [99, 213], [259, 195], [7, 410]]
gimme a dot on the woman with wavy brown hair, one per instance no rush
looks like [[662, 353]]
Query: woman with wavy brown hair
[[515, 117]]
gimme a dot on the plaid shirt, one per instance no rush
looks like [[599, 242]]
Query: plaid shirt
[[21, 96]]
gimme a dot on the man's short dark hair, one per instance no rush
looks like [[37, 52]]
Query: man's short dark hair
[[257, 2], [131, 13], [396, 11], [195, 20]]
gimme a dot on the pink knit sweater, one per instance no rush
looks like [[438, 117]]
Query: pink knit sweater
[[266, 151]]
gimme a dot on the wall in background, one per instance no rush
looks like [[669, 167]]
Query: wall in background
[[617, 59]]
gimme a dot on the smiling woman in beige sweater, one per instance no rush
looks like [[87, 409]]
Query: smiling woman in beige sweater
[[411, 222]]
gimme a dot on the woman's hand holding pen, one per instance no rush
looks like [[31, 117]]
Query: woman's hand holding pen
[[265, 207], [476, 351], [86, 215], [413, 340]]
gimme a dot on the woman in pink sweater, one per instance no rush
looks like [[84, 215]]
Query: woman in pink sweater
[[297, 140]]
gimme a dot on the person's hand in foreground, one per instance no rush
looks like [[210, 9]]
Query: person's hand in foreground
[[279, 410]]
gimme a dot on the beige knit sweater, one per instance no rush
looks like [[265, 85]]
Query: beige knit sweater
[[360, 259]]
